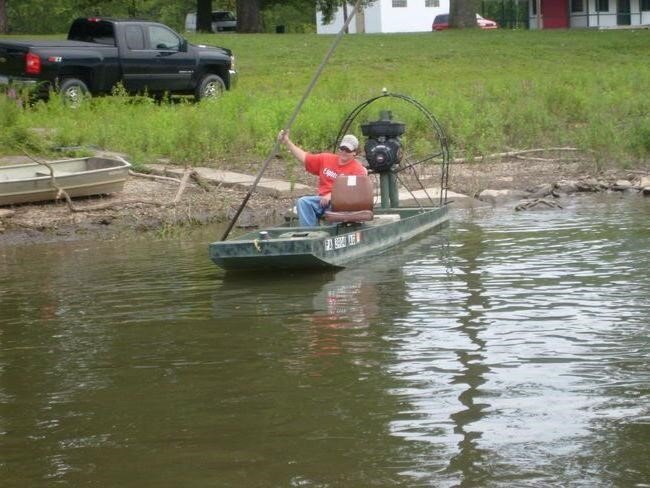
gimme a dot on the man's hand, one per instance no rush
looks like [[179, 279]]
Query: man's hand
[[298, 152], [325, 200]]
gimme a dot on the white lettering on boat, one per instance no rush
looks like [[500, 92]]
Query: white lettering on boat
[[343, 241], [352, 239]]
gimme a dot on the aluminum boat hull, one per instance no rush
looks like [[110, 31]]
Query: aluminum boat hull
[[26, 183]]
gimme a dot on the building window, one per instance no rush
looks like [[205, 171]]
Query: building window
[[576, 6], [399, 3], [436, 3], [645, 5], [602, 5], [533, 8]]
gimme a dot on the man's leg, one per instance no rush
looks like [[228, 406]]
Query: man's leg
[[309, 211]]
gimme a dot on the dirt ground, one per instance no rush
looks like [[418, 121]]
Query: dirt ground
[[150, 208]]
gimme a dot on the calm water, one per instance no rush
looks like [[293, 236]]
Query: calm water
[[512, 350]]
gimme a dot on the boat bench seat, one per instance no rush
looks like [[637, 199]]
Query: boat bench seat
[[304, 235], [56, 173], [385, 218], [352, 200], [358, 216]]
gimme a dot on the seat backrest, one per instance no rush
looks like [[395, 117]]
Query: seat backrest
[[352, 193], [352, 200]]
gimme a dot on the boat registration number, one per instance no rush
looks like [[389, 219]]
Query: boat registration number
[[340, 242]]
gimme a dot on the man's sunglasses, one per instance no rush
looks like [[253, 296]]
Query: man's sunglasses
[[345, 149]]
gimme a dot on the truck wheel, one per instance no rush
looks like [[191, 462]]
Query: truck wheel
[[73, 92], [211, 86]]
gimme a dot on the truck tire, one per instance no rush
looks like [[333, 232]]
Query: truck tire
[[73, 91], [210, 86]]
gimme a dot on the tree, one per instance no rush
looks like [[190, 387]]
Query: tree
[[329, 7], [204, 15], [249, 18], [462, 13], [3, 17]]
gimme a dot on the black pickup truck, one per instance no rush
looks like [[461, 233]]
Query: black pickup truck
[[99, 53]]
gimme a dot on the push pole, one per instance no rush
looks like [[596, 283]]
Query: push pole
[[288, 125]]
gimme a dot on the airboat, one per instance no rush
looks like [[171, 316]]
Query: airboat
[[367, 217]]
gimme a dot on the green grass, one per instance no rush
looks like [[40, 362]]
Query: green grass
[[490, 90]]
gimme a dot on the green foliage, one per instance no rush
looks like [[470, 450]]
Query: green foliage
[[14, 133], [490, 91], [329, 7], [512, 14], [292, 18], [45, 16]]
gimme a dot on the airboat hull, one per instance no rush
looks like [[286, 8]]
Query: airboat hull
[[328, 246]]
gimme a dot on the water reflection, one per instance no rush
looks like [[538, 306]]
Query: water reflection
[[514, 355], [343, 307], [470, 460], [321, 340]]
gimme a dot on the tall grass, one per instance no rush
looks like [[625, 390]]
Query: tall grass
[[490, 90]]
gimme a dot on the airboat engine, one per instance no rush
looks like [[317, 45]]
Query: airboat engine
[[385, 153], [383, 150], [383, 146]]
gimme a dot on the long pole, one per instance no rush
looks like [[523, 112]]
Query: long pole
[[288, 125]]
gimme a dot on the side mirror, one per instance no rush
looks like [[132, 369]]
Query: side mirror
[[183, 47]]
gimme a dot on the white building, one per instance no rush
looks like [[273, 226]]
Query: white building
[[564, 14], [388, 16]]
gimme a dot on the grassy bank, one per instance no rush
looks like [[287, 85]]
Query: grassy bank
[[490, 90]]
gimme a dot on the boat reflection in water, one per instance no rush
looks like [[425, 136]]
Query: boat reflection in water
[[315, 350]]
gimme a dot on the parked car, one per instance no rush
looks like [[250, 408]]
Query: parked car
[[441, 22], [99, 53], [222, 20]]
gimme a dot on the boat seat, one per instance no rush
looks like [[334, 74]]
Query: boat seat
[[352, 200], [380, 219], [56, 173]]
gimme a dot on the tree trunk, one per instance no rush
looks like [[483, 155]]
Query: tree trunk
[[3, 17], [462, 13], [204, 15], [248, 16], [360, 20]]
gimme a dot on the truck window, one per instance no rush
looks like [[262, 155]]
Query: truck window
[[134, 37], [97, 31], [162, 38]]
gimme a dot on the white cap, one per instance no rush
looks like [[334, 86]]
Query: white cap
[[349, 141]]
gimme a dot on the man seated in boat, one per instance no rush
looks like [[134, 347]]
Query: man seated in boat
[[327, 166]]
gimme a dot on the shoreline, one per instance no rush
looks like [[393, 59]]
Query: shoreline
[[495, 183]]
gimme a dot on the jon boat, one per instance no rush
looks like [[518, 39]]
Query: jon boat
[[356, 227], [32, 182], [333, 245]]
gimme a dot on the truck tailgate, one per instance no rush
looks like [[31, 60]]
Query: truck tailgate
[[12, 52], [12, 59]]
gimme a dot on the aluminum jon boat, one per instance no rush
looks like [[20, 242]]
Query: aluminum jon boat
[[25, 183]]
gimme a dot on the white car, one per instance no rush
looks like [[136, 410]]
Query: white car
[[222, 20]]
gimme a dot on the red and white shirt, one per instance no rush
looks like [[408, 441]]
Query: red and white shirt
[[326, 166]]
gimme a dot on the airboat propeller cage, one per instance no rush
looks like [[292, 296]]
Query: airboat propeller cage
[[383, 147]]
